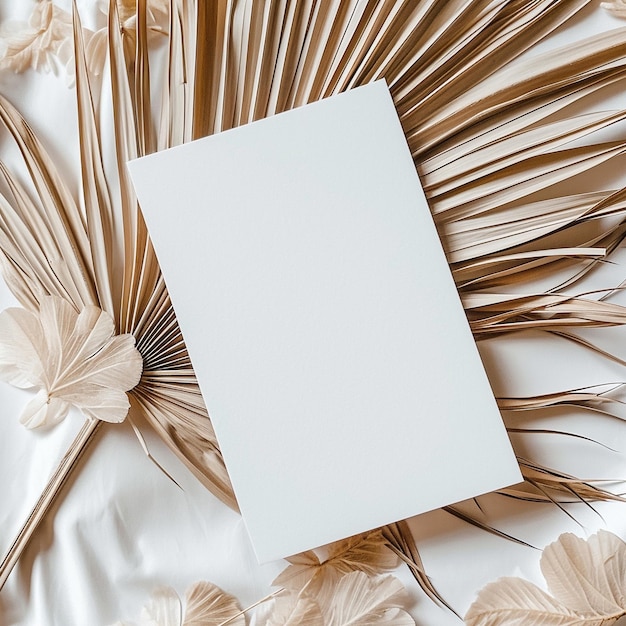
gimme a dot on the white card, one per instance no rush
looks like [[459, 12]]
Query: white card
[[324, 326]]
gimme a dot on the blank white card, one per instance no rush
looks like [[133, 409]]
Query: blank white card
[[324, 326]]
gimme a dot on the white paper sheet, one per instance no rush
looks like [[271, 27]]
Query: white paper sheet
[[322, 320]]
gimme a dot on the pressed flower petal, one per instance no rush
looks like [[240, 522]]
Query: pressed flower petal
[[108, 405], [586, 579], [360, 599], [164, 609], [518, 602], [34, 45], [208, 605], [34, 413], [617, 7], [44, 410], [58, 408], [588, 576], [74, 358], [117, 365], [94, 328], [58, 321], [296, 610], [21, 348]]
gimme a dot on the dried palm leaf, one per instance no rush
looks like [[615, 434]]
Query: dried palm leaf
[[400, 540], [597, 399], [544, 484]]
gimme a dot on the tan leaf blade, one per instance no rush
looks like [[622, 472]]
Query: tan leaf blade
[[522, 81], [59, 211], [558, 487], [477, 45], [172, 123], [189, 433], [597, 399], [95, 189], [38, 253], [519, 181], [493, 158], [484, 526], [474, 237], [142, 82], [401, 541]]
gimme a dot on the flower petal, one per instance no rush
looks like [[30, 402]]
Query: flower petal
[[97, 386], [587, 576], [44, 411], [517, 602], [361, 599], [93, 328], [58, 320], [117, 365], [208, 605], [22, 348], [164, 609], [108, 405], [75, 358], [296, 610], [34, 44]]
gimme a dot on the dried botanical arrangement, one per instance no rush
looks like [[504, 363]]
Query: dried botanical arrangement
[[347, 586], [491, 154], [585, 577]]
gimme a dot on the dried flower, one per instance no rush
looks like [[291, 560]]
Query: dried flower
[[367, 552], [72, 358], [356, 598], [37, 43], [587, 580], [205, 604], [617, 7]]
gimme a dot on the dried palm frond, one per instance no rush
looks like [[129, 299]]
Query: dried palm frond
[[489, 132]]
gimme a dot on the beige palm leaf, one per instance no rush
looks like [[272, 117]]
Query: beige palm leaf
[[488, 128]]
